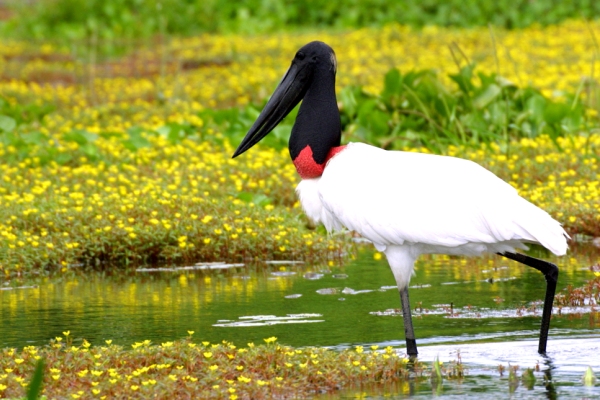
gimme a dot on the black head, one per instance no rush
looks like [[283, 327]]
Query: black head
[[313, 59]]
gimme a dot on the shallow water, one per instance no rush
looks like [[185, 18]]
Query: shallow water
[[487, 308], [559, 375]]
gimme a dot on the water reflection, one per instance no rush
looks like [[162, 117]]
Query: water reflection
[[455, 300]]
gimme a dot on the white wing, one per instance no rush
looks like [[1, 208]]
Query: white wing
[[392, 197]]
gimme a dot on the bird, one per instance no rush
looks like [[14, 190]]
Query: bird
[[406, 203]]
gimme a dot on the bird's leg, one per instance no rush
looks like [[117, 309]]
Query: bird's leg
[[550, 272], [409, 332]]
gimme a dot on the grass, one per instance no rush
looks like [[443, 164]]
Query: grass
[[200, 370]]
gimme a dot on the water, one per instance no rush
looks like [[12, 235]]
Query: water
[[486, 308], [557, 376]]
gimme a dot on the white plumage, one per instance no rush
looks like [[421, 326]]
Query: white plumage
[[409, 204]]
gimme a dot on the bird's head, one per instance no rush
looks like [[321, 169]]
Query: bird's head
[[315, 59]]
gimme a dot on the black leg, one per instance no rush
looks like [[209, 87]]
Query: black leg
[[409, 332], [550, 272]]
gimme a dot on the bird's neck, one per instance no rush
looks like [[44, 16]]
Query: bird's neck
[[316, 133]]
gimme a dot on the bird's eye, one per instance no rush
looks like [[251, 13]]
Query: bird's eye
[[300, 55]]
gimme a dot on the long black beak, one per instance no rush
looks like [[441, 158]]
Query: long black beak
[[288, 94]]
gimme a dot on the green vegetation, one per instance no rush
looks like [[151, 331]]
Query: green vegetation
[[116, 20], [186, 369], [418, 109], [118, 185]]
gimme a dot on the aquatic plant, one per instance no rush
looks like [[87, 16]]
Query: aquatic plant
[[126, 162], [185, 368]]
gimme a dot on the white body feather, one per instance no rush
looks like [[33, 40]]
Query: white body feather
[[409, 204]]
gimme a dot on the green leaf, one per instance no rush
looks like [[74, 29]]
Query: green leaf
[[63, 158], [489, 94], [589, 379], [35, 386], [392, 86], [436, 375], [555, 112], [348, 100], [136, 141], [80, 137], [164, 131], [90, 150], [257, 198], [7, 124], [36, 138], [536, 105], [464, 79]]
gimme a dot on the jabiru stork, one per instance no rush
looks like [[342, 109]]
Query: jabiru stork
[[406, 203]]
